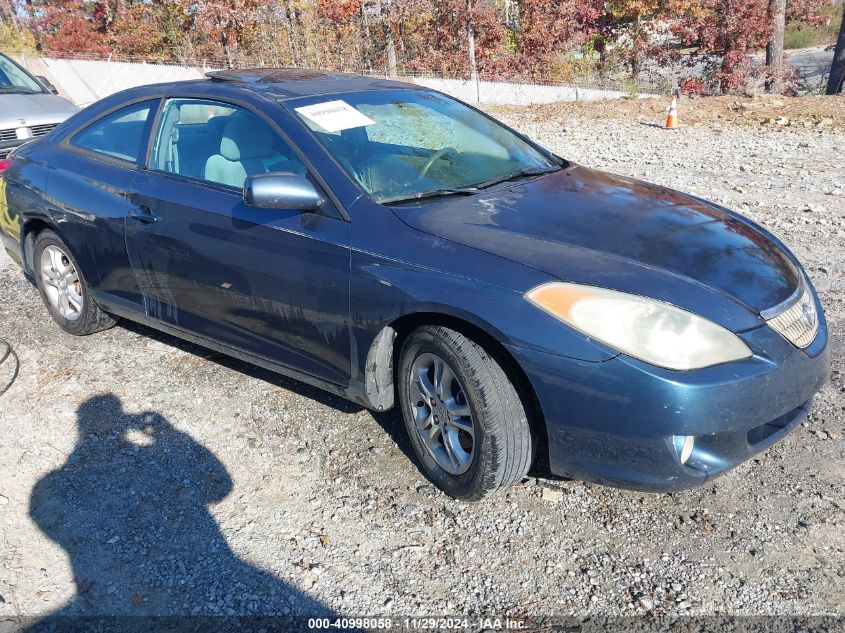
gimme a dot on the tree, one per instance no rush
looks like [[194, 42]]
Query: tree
[[628, 23], [726, 29], [774, 47], [226, 21], [14, 36], [731, 29], [546, 28], [443, 37], [837, 69], [68, 26], [143, 29], [473, 65], [801, 12], [550, 27], [9, 14], [384, 13], [15, 40], [131, 27], [339, 23]]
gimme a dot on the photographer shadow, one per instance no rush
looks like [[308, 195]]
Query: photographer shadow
[[130, 506]]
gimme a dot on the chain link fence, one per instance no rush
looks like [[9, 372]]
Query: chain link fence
[[85, 79]]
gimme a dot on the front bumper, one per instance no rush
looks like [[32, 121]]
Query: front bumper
[[617, 422]]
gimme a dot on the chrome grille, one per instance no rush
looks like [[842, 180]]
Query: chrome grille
[[41, 130], [34, 130], [799, 323]]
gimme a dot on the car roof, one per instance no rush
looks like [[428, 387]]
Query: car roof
[[290, 83]]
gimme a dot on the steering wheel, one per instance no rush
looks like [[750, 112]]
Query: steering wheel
[[437, 155]]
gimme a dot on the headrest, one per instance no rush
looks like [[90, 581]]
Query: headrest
[[246, 136], [217, 125]]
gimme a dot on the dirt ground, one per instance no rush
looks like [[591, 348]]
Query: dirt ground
[[140, 474], [762, 113]]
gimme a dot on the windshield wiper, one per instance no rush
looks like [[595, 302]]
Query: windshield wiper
[[434, 193], [468, 191], [17, 91], [519, 173]]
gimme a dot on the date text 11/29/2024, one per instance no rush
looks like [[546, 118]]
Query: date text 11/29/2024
[[420, 623]]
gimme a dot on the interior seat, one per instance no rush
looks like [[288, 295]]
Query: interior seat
[[195, 143], [246, 148]]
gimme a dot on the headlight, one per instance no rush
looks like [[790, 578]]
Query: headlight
[[644, 328]]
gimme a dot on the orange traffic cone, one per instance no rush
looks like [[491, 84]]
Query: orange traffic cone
[[672, 115]]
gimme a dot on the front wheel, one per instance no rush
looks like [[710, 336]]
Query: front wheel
[[466, 421], [63, 288]]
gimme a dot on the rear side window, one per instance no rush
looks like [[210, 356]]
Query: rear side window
[[120, 134]]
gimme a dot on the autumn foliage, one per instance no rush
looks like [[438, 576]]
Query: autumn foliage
[[537, 38]]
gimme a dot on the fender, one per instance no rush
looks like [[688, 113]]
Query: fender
[[20, 202], [383, 296]]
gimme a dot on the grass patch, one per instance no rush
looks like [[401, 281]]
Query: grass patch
[[797, 36]]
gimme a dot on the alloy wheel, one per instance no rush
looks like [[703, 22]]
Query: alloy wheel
[[62, 285], [442, 414]]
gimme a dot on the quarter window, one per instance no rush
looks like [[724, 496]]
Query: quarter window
[[219, 143], [120, 134]]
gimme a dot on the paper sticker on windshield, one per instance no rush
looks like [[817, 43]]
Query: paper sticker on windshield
[[334, 116]]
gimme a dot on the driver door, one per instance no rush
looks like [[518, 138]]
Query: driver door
[[270, 282]]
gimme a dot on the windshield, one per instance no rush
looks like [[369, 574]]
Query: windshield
[[14, 79], [406, 144]]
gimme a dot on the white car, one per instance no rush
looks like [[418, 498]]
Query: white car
[[29, 106]]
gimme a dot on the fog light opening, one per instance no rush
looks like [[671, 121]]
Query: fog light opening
[[684, 444]]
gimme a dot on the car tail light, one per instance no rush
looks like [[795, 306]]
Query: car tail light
[[5, 163]]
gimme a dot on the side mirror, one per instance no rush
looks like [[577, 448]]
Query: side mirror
[[281, 190], [46, 83]]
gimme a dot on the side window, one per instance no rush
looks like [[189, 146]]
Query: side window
[[219, 143], [120, 134]]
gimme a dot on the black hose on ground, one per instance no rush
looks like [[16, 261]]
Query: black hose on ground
[[7, 352]]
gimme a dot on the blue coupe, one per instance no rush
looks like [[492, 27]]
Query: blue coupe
[[400, 248]]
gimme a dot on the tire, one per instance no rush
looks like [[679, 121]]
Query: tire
[[63, 288], [467, 465]]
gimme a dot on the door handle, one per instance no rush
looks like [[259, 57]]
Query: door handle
[[143, 214]]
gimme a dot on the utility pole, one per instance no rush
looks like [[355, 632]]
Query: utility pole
[[774, 48], [837, 69]]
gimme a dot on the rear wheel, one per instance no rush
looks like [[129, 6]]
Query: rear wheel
[[466, 421], [64, 290]]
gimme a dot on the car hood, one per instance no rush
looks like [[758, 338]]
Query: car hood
[[587, 226], [35, 109]]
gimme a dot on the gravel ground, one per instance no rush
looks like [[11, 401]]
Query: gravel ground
[[140, 474]]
